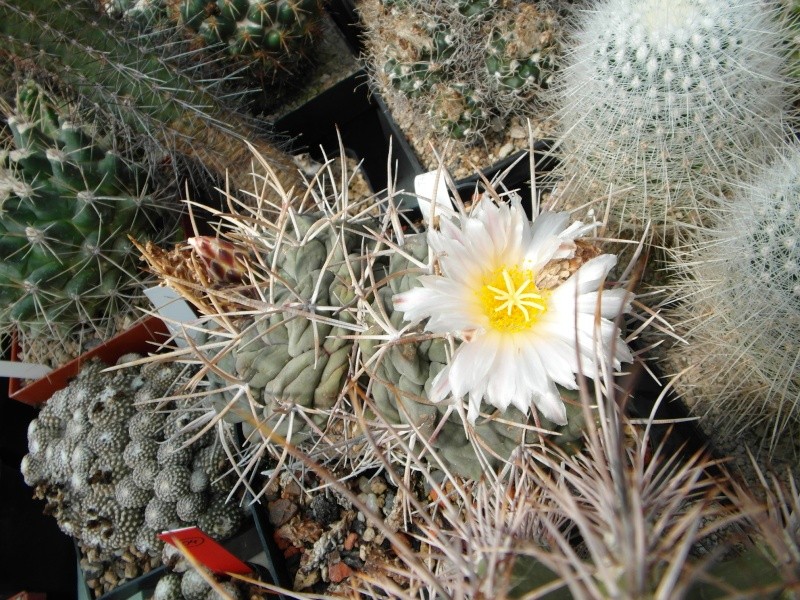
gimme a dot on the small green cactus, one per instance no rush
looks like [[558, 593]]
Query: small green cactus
[[161, 107], [278, 35], [92, 481], [266, 42], [287, 357], [69, 194]]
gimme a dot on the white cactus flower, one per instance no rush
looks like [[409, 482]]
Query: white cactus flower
[[520, 337]]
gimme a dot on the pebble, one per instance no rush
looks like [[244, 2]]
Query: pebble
[[324, 510], [368, 535], [517, 132], [338, 572], [378, 486], [350, 540], [505, 150], [305, 580], [281, 511]]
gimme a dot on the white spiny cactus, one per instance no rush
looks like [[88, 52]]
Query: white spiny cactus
[[740, 306], [663, 100]]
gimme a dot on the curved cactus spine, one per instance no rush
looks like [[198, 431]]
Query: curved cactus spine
[[95, 58], [662, 104], [312, 324]]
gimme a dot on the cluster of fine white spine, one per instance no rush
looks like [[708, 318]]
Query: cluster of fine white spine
[[664, 102], [739, 310]]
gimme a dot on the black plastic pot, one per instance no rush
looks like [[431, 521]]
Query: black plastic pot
[[345, 16]]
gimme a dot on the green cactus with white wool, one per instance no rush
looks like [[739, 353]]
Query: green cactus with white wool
[[663, 104], [69, 194]]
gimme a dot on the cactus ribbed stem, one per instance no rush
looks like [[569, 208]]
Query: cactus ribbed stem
[[92, 55]]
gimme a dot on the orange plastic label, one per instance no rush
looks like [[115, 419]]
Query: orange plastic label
[[205, 550]]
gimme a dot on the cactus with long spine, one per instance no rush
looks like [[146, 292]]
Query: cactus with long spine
[[68, 195], [266, 42], [98, 59], [740, 318], [304, 326]]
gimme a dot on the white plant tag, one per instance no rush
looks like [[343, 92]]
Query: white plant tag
[[174, 310], [424, 189], [20, 370]]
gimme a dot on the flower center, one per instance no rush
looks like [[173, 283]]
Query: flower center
[[511, 300]]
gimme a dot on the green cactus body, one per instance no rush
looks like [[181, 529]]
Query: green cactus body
[[93, 55], [103, 491], [67, 199], [289, 358], [521, 53], [663, 104], [277, 35]]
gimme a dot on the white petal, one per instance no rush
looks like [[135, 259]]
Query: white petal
[[586, 279], [501, 386], [552, 407], [559, 361], [474, 407], [612, 302], [548, 224], [440, 387], [472, 363]]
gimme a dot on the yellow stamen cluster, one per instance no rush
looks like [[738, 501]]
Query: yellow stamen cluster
[[511, 300]]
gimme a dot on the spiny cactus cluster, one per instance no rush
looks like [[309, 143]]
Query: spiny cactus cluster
[[316, 326], [289, 358], [114, 470], [738, 309], [162, 107], [69, 194], [463, 67], [663, 104], [190, 585], [271, 39]]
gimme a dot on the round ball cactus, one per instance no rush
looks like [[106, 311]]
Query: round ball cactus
[[664, 102], [277, 33], [108, 490], [68, 197], [739, 308]]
